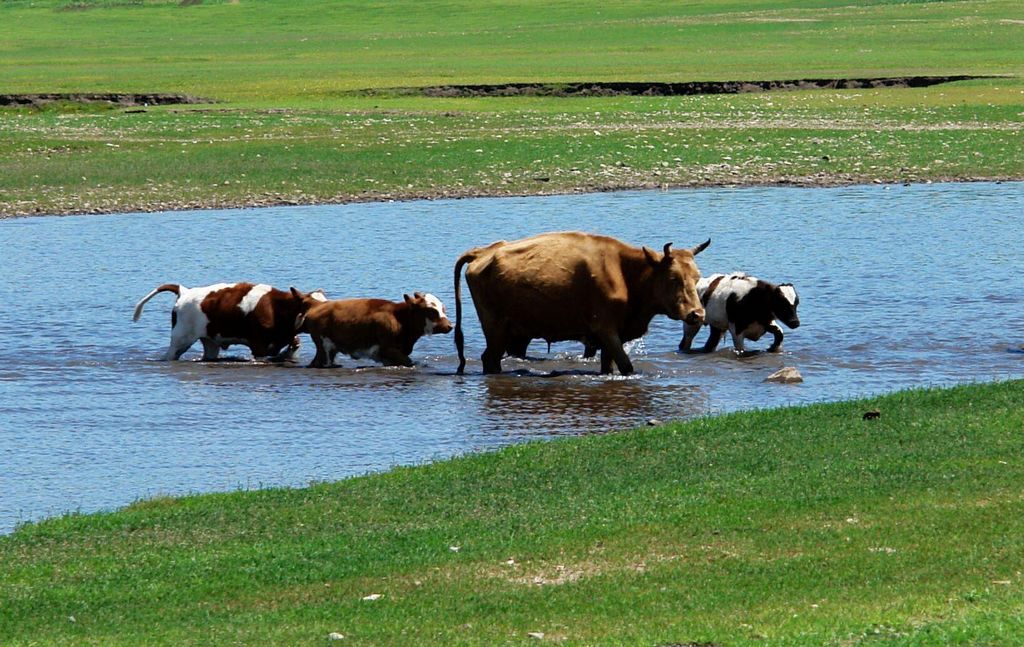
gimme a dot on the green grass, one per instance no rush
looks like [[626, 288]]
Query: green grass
[[289, 129], [262, 51], [802, 526]]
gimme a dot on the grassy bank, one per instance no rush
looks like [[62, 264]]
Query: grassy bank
[[804, 526], [290, 126]]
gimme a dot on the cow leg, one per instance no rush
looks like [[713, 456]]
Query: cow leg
[[179, 344], [261, 348], [611, 349], [517, 347], [289, 352], [211, 350], [395, 357], [590, 349], [689, 332], [737, 341], [777, 332], [714, 337], [492, 358], [321, 359], [497, 342]]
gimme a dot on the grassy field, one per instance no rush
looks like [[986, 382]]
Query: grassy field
[[291, 126], [802, 526]]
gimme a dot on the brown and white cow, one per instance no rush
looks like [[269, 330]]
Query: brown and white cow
[[747, 307], [254, 315], [574, 286], [384, 331]]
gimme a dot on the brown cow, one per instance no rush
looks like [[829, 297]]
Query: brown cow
[[384, 331], [257, 316], [574, 286]]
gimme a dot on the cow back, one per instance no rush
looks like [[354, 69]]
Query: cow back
[[551, 285], [256, 314]]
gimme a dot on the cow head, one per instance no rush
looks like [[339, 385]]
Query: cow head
[[675, 282], [436, 319], [784, 303], [302, 302]]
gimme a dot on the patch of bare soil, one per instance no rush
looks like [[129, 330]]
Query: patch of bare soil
[[110, 98], [652, 89]]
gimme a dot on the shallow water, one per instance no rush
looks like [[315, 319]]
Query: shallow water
[[900, 287]]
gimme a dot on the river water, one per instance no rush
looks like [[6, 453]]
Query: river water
[[900, 287]]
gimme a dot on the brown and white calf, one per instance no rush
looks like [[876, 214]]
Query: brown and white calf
[[745, 306], [384, 331], [254, 315]]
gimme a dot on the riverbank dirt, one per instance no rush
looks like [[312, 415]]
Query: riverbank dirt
[[683, 89], [141, 205], [122, 99]]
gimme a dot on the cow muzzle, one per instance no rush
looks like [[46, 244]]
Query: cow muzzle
[[793, 323], [443, 326], [694, 317]]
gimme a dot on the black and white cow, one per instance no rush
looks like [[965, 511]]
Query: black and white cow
[[745, 306]]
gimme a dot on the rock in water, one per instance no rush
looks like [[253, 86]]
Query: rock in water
[[787, 375]]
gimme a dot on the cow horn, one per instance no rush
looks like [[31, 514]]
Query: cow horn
[[667, 258], [700, 248]]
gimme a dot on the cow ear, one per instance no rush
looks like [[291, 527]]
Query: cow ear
[[418, 295], [700, 248], [296, 294], [652, 257], [408, 299]]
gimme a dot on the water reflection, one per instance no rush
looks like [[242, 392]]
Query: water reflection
[[553, 404]]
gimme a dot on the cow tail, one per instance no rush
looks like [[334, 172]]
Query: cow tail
[[459, 340], [166, 287]]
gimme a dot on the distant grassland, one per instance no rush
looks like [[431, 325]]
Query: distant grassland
[[290, 126], [272, 52], [801, 526]]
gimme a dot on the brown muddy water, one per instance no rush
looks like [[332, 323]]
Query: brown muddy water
[[900, 287]]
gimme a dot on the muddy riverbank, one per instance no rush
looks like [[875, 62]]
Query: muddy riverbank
[[682, 89], [142, 204]]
